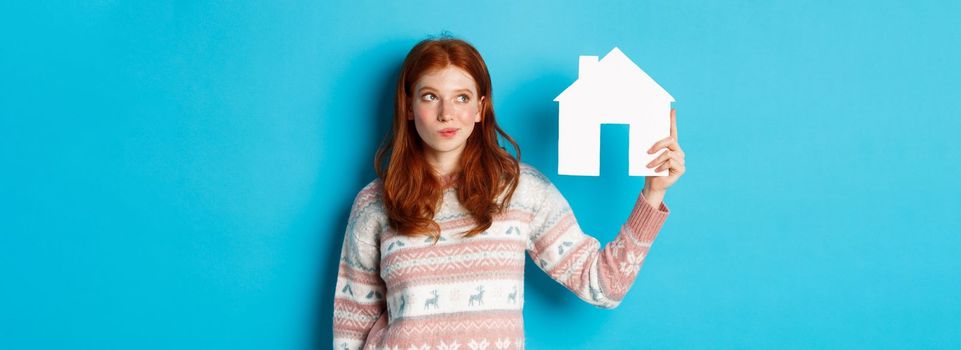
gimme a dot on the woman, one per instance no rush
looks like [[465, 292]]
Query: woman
[[433, 256]]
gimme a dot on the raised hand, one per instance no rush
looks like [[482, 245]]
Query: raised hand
[[672, 160]]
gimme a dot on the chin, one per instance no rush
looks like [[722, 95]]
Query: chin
[[448, 147]]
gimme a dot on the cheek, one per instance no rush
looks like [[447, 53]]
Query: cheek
[[468, 112], [421, 112], [422, 119]]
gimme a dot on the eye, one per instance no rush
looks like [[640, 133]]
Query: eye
[[428, 97], [463, 98]]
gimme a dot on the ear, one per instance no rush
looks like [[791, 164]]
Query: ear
[[480, 110]]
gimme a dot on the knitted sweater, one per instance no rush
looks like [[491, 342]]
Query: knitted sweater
[[399, 292]]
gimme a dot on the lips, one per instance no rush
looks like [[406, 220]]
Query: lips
[[448, 132]]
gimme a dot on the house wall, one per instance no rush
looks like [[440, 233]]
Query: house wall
[[579, 141], [656, 128]]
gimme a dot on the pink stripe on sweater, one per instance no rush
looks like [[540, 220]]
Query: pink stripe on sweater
[[555, 232], [359, 275], [447, 250], [506, 322], [512, 271]]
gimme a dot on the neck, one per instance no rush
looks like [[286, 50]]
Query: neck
[[445, 163]]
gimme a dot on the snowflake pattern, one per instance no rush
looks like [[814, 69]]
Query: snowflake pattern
[[454, 345], [616, 247], [422, 347], [474, 345], [633, 263]]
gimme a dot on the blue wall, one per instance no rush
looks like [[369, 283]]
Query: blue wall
[[179, 174]]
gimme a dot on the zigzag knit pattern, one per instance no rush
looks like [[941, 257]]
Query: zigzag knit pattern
[[400, 293]]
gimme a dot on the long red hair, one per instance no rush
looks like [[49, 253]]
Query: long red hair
[[412, 190]]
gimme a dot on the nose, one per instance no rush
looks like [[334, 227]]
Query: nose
[[444, 114]]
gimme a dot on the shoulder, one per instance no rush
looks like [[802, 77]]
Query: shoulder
[[531, 177], [531, 185], [370, 194], [367, 214]]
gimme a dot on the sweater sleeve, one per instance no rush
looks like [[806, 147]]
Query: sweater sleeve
[[600, 277], [359, 295]]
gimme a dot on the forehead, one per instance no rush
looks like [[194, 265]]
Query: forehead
[[448, 78]]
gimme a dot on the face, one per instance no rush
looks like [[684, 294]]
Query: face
[[445, 107]]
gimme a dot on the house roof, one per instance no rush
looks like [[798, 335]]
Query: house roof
[[615, 71]]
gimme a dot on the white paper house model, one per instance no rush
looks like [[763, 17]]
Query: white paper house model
[[612, 90]]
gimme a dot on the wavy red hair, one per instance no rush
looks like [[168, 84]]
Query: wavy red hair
[[412, 190]]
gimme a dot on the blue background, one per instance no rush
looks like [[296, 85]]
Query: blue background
[[179, 174]]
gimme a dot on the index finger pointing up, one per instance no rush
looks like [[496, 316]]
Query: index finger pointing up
[[674, 124]]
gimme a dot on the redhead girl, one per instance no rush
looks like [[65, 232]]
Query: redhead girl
[[433, 255]]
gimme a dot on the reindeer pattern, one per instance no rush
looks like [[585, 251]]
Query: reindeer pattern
[[426, 298]]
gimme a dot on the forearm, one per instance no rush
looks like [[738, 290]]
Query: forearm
[[653, 197]]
